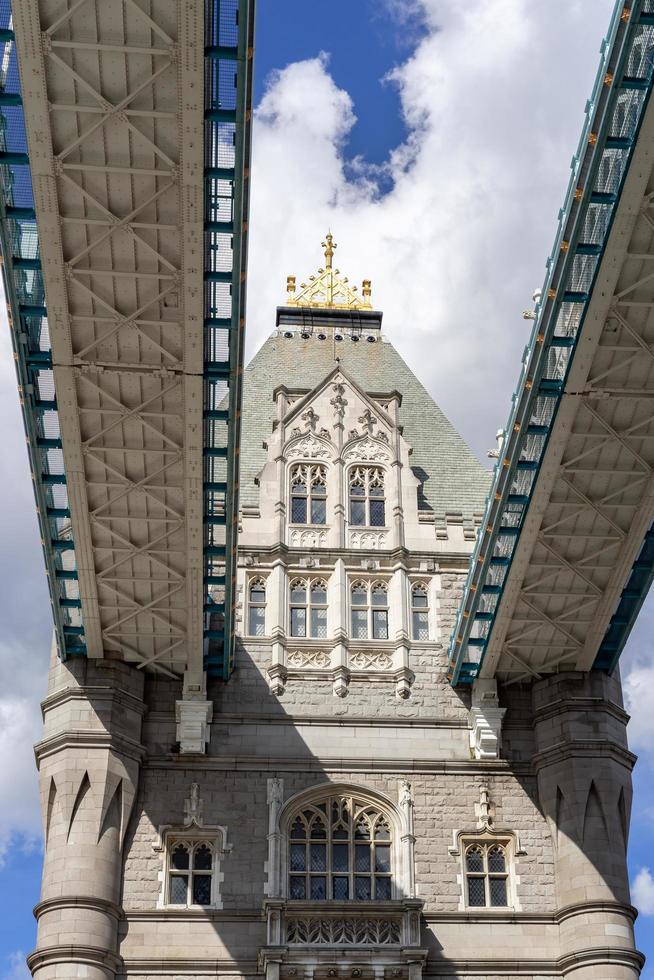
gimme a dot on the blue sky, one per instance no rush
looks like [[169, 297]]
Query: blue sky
[[434, 137]]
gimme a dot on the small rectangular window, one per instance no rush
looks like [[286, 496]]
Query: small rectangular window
[[298, 622], [299, 510], [377, 513], [379, 624], [358, 512], [318, 511], [360, 624], [256, 624], [420, 626], [319, 623]]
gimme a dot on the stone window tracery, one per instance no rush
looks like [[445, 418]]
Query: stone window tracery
[[308, 608], [419, 611], [367, 497], [340, 848], [308, 494], [486, 874], [190, 872], [369, 610], [257, 607]]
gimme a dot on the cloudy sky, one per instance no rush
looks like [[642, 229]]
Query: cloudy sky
[[434, 138]]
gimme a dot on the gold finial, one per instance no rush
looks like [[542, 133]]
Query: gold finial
[[329, 246], [328, 289]]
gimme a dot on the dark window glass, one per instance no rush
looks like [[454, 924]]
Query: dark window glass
[[203, 858], [358, 512], [379, 596], [178, 889], [180, 857], [318, 857], [419, 598], [341, 889], [201, 889], [496, 859], [383, 889], [298, 622], [318, 831], [379, 624], [258, 593], [377, 513], [382, 857], [298, 592], [476, 892], [297, 830], [340, 857], [474, 860], [318, 511], [382, 832], [318, 593], [362, 857], [298, 887], [319, 888], [362, 889], [498, 891], [299, 510], [298, 857]]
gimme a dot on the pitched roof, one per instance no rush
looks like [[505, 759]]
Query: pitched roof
[[453, 480]]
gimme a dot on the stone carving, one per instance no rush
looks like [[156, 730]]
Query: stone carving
[[343, 931], [308, 448], [367, 539], [368, 450], [296, 432], [370, 660], [308, 539], [382, 437], [368, 421], [338, 402], [325, 434], [353, 434], [311, 418], [193, 807], [308, 658]]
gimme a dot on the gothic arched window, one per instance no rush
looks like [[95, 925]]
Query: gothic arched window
[[308, 494], [486, 871], [369, 607], [367, 501], [191, 867], [257, 607], [419, 612], [340, 848], [308, 608]]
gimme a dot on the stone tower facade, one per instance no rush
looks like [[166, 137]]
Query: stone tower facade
[[353, 816]]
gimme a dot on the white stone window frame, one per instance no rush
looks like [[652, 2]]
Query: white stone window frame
[[308, 581], [428, 609], [370, 583], [249, 582], [369, 467], [510, 842], [170, 836], [399, 816], [309, 464]]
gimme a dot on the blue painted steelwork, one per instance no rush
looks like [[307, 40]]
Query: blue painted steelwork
[[228, 101], [613, 115], [28, 320]]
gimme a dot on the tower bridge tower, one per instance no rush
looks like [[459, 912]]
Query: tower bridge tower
[[351, 813]]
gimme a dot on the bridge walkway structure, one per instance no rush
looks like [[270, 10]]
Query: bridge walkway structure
[[124, 186], [565, 553]]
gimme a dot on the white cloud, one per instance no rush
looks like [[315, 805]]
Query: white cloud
[[458, 244], [638, 688], [17, 967], [642, 892]]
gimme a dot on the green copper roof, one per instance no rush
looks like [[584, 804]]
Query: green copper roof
[[453, 480]]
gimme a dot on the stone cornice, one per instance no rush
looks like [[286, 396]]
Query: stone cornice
[[119, 744], [85, 902], [452, 562], [74, 953], [584, 748], [561, 705], [313, 764], [93, 693]]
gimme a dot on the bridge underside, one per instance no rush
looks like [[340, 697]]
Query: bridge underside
[[131, 116], [565, 555]]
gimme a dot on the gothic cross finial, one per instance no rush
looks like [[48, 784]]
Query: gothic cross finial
[[369, 421], [329, 245]]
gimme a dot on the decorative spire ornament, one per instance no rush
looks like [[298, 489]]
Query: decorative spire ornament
[[328, 289]]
